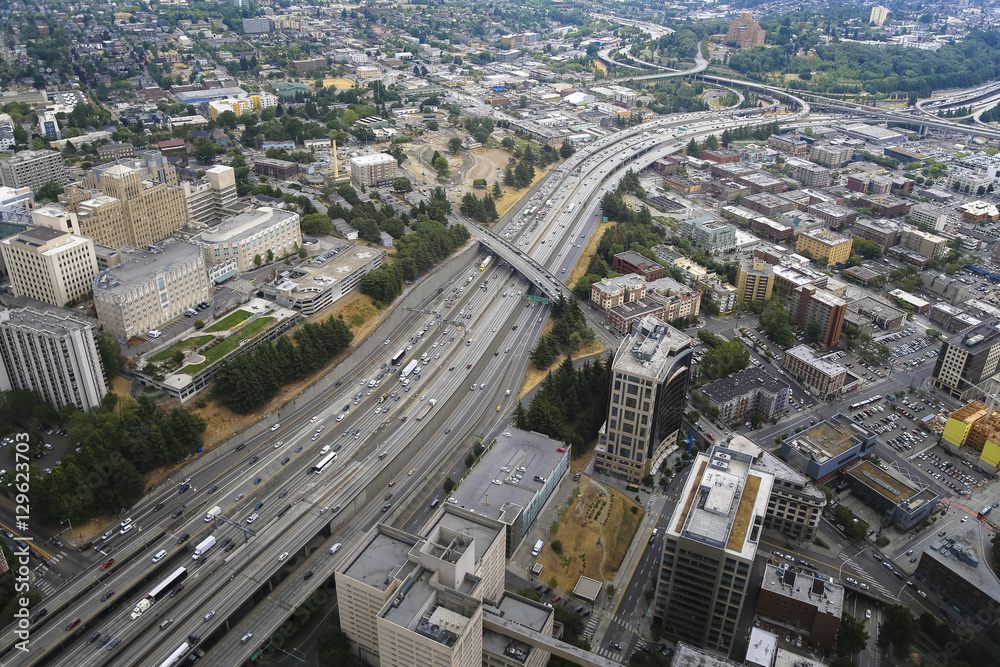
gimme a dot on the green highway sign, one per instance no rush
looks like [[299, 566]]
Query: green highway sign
[[532, 297], [478, 437]]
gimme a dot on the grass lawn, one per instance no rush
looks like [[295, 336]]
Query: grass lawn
[[229, 321], [185, 344], [228, 345]]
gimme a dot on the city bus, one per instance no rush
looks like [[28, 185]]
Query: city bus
[[324, 462]]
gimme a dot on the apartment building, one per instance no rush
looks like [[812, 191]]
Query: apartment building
[[745, 32], [150, 288], [883, 232], [678, 299], [830, 155], [713, 235], [49, 265], [928, 245], [754, 281], [709, 548], [632, 262], [813, 176], [371, 170], [209, 200], [810, 307], [262, 234], [821, 243], [967, 360], [33, 169], [132, 211], [958, 570], [819, 376], [748, 393], [52, 354], [607, 293], [648, 392], [252, 103]]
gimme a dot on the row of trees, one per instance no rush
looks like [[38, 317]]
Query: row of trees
[[775, 322], [247, 382], [481, 210], [569, 333], [119, 442], [569, 403]]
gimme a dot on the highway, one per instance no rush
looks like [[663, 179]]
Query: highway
[[270, 467]]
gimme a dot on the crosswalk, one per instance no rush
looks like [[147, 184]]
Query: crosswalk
[[588, 632], [39, 583], [862, 573]]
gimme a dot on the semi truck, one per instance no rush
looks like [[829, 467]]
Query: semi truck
[[381, 399], [409, 368], [205, 545], [427, 408], [212, 513], [486, 263]]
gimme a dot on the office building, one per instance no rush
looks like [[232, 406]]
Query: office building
[[318, 283], [821, 377], [951, 318], [33, 169], [956, 566], [648, 392], [715, 236], [754, 281], [883, 232], [930, 216], [49, 265], [53, 355], [263, 234], [632, 262], [116, 151], [607, 293], [132, 210], [874, 311], [55, 217], [878, 15], [968, 359], [709, 548], [746, 394], [928, 245], [370, 170], [212, 198], [901, 502], [823, 243], [150, 288], [801, 604], [281, 169], [745, 32], [825, 448]]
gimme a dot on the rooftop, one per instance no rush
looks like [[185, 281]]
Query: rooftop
[[652, 350], [247, 224], [830, 438], [377, 158], [965, 551], [823, 593], [978, 338], [890, 486], [827, 237], [690, 656], [140, 266], [807, 355], [742, 383], [383, 559], [43, 321]]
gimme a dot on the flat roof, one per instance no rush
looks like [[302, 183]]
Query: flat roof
[[421, 607], [44, 321], [891, 487], [960, 548], [140, 266], [382, 560], [826, 595], [690, 656], [535, 452], [761, 648], [742, 383], [652, 351], [786, 658], [806, 354], [831, 437], [329, 269], [246, 224], [483, 535]]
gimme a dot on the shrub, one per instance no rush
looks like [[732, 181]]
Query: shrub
[[557, 546]]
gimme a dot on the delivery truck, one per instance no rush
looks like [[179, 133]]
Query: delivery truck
[[205, 545], [212, 513]]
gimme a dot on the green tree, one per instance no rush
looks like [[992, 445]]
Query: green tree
[[724, 360], [775, 322], [48, 192], [402, 185], [204, 150], [852, 636], [692, 148], [566, 150], [497, 191], [441, 167], [867, 249], [454, 145], [317, 223], [470, 460], [257, 261], [814, 332], [522, 102], [449, 485], [897, 630]]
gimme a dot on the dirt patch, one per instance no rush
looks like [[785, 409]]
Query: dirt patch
[[339, 83], [589, 250], [533, 376], [594, 532], [512, 197], [120, 386]]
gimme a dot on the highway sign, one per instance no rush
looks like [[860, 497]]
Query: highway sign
[[532, 297]]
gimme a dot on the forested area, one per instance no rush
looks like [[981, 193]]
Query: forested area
[[569, 333]]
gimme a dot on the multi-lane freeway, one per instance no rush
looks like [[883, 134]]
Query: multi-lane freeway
[[471, 330]]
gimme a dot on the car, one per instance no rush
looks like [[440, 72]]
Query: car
[[259, 505], [335, 548], [183, 488], [852, 580], [158, 507], [279, 444], [560, 449], [276, 427], [254, 460], [285, 460], [556, 598], [392, 484], [213, 490], [615, 646], [230, 547], [209, 615], [283, 556], [239, 447], [94, 638], [115, 642], [177, 513], [72, 625], [108, 563], [387, 496], [323, 510], [256, 481], [238, 498], [308, 575], [125, 529]]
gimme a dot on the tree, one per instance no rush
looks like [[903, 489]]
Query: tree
[[257, 261], [814, 332], [470, 459], [454, 145], [522, 102], [497, 191], [440, 165], [48, 191], [449, 485], [897, 630], [852, 636], [204, 149], [433, 125], [402, 185], [867, 249], [566, 150], [774, 321], [317, 223], [610, 590], [508, 143], [692, 148]]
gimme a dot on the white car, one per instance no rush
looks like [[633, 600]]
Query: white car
[[126, 529], [335, 548], [279, 444], [276, 427], [283, 556], [498, 482]]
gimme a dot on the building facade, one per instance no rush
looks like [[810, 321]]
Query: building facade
[[607, 293], [648, 392], [745, 32], [821, 243], [754, 281], [208, 200], [50, 265], [262, 234], [747, 393], [150, 288], [33, 169], [802, 603], [967, 360], [931, 246], [713, 235], [819, 376], [370, 170], [632, 262], [53, 355]]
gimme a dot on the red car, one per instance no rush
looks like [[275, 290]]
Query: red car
[[561, 450], [711, 437], [388, 495], [72, 625], [108, 563], [557, 598], [392, 484]]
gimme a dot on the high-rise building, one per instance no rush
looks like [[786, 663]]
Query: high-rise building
[[878, 15], [968, 360], [745, 32], [369, 170], [53, 355], [33, 169], [252, 235], [709, 548], [49, 265], [754, 281], [809, 305], [821, 243], [649, 380], [208, 200], [150, 288], [831, 155]]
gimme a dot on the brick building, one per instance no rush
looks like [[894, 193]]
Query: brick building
[[820, 376], [632, 262]]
